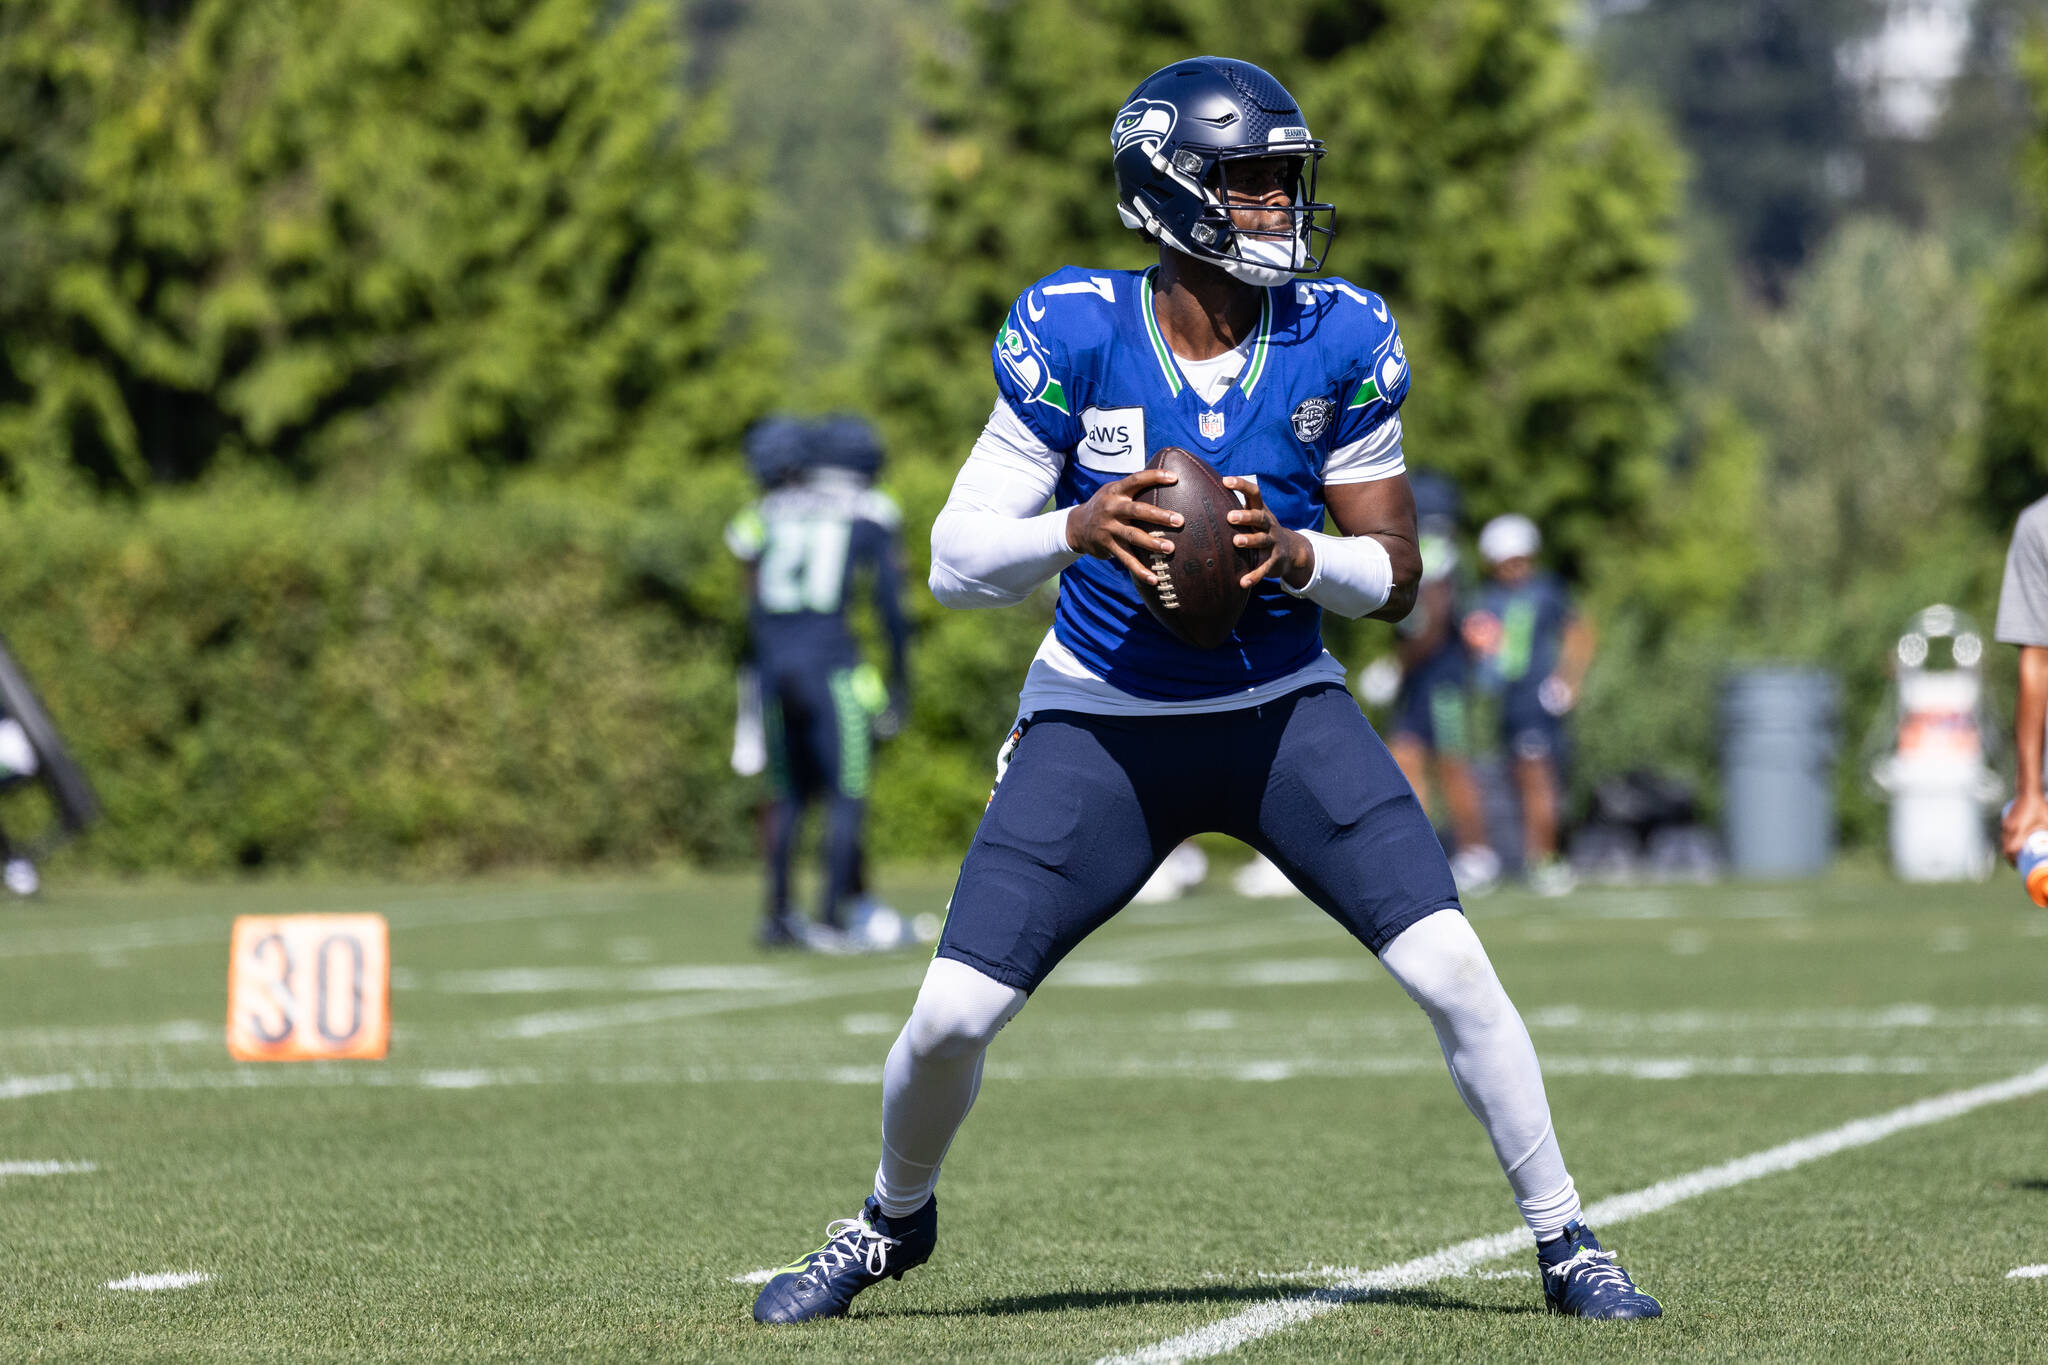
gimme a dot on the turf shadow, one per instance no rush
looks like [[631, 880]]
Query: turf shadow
[[2030, 1186], [1010, 1305]]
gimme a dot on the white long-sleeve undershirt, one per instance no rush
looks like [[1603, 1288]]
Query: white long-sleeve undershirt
[[988, 547], [1352, 575]]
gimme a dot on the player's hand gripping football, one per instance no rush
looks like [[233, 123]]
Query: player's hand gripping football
[[1286, 553], [1115, 525]]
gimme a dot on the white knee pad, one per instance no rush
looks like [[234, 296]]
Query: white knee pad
[[959, 1011]]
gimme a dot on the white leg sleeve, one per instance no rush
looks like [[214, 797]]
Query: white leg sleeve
[[1440, 963], [932, 1076]]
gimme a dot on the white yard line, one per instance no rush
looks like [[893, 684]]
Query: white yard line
[[172, 1279], [903, 976], [8, 1168], [478, 907], [1884, 1019], [2028, 1272], [1279, 1314], [642, 980], [113, 1035], [1249, 1071], [756, 1276], [742, 980]]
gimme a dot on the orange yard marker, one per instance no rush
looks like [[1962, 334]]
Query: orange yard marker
[[307, 988]]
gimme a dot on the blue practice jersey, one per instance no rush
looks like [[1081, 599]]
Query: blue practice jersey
[[1082, 362], [1521, 632]]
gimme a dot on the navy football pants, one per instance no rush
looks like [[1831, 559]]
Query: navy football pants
[[1091, 805], [818, 747]]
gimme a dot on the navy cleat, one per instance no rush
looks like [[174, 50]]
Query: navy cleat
[[1582, 1280], [780, 931], [858, 1252]]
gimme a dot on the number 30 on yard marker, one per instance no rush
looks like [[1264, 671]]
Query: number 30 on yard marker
[[307, 988]]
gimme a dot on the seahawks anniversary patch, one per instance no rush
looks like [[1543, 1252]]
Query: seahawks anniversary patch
[[1312, 419]]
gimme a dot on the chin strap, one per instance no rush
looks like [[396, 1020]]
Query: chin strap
[[1264, 275]]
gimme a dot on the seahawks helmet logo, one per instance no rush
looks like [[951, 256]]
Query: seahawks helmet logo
[[1142, 120], [1312, 419]]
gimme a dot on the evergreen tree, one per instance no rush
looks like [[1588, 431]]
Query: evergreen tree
[[1521, 234], [816, 150], [1869, 448], [1771, 121], [367, 235]]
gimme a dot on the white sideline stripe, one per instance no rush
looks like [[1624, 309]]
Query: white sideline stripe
[[172, 1279], [2028, 1272], [1279, 1314], [20, 1087], [8, 1168], [755, 1277]]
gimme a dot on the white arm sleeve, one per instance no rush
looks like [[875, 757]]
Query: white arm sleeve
[[1375, 455], [988, 549], [1353, 575]]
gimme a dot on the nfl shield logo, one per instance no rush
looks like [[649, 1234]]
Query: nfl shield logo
[[1212, 425]]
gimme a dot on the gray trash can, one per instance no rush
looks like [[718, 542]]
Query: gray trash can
[[1778, 770]]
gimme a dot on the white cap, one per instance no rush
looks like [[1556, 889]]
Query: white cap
[[1509, 537]]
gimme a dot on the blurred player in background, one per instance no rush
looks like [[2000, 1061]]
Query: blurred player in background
[[1129, 740], [18, 764], [33, 752], [1432, 723], [1532, 650], [819, 527], [2023, 621]]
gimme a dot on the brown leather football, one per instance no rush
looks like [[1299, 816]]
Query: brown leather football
[[1197, 598]]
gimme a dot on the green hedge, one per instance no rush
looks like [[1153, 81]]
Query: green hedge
[[256, 679]]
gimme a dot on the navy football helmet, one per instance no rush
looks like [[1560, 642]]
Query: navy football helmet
[[843, 441], [1177, 138], [775, 448]]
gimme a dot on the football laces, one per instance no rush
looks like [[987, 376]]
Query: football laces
[[1169, 596]]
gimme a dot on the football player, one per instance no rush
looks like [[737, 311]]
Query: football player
[[2023, 621], [1129, 740], [1432, 723], [18, 763], [819, 526], [1533, 649]]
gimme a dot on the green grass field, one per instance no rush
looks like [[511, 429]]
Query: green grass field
[[603, 1109]]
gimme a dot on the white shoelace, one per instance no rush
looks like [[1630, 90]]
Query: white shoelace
[[1598, 1266], [848, 1240]]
